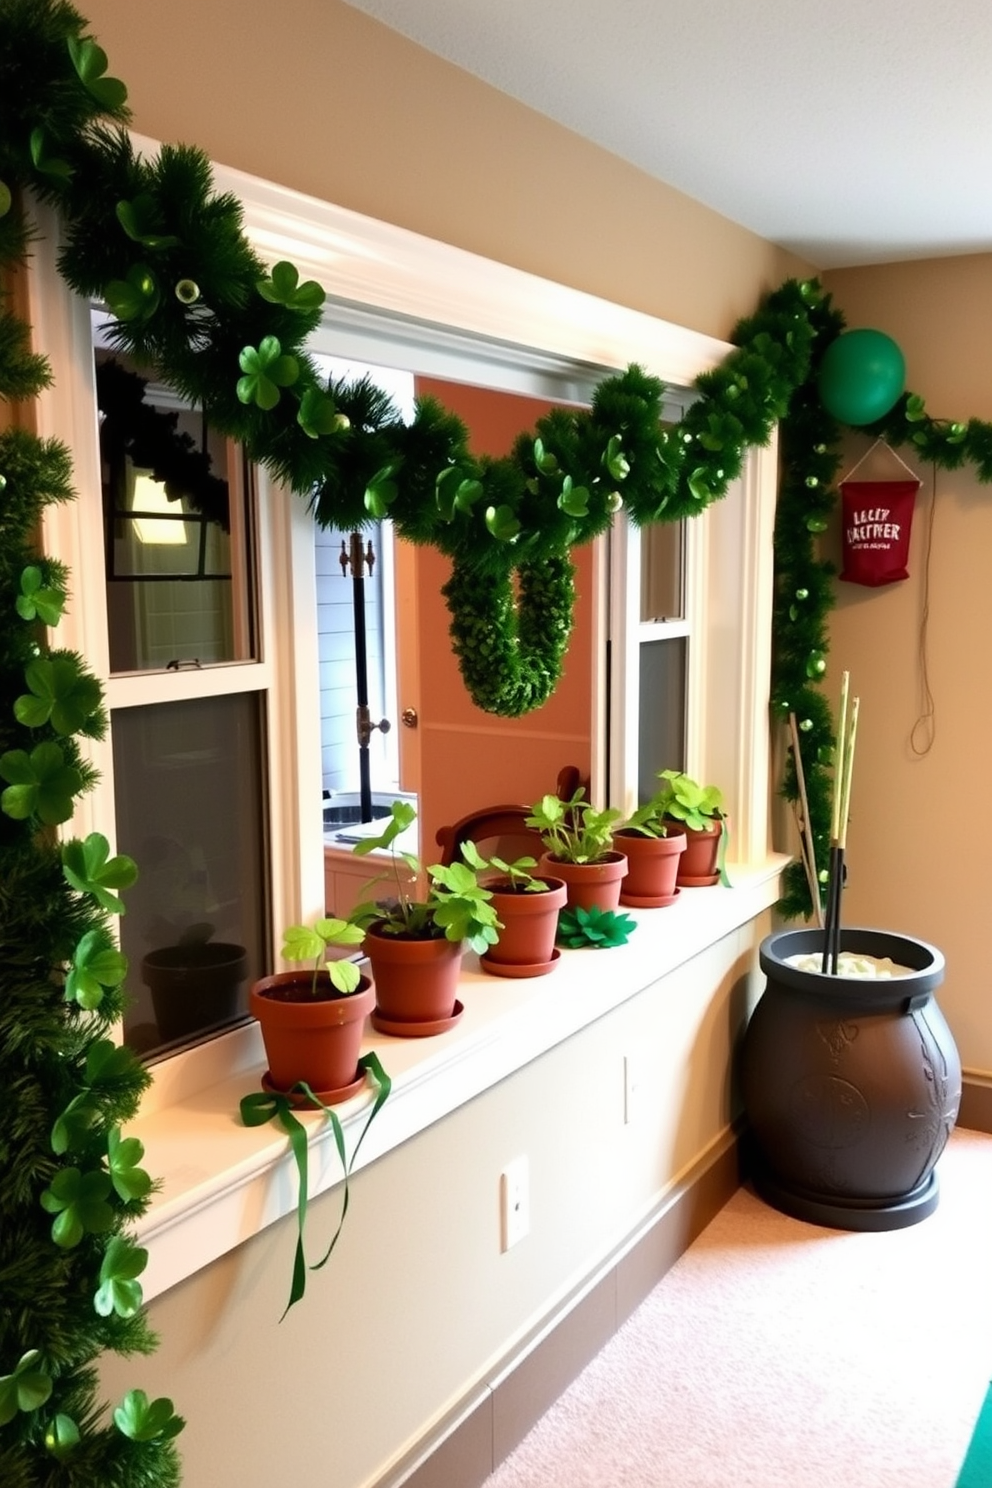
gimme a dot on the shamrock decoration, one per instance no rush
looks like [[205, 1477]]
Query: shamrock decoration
[[26, 1389], [39, 784], [135, 298], [266, 371], [38, 600], [142, 1419], [89, 868], [284, 288], [318, 415], [597, 928], [119, 1290]]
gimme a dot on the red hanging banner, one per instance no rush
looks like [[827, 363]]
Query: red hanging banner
[[878, 518]]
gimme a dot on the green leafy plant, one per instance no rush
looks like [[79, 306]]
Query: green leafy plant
[[594, 928], [457, 907], [574, 830], [517, 873], [310, 942], [682, 799]]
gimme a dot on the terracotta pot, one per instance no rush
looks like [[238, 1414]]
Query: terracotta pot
[[416, 981], [589, 885], [698, 864], [652, 867], [194, 986], [316, 1039], [851, 1086], [530, 921]]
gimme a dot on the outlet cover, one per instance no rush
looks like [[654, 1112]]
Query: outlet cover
[[514, 1202]]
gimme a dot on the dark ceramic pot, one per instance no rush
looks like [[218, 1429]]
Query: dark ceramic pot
[[851, 1086]]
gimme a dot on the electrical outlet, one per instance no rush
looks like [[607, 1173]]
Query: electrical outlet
[[514, 1202], [633, 1088]]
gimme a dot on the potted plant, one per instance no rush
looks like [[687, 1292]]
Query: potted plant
[[654, 846], [415, 945], [699, 810], [312, 1020], [578, 842], [527, 907]]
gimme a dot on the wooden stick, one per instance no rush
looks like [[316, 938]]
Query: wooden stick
[[839, 752], [845, 806], [806, 843]]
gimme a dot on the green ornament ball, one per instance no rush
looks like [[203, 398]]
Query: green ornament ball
[[806, 724], [802, 594], [862, 376], [187, 291]]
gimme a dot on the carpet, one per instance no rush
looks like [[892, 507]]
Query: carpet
[[776, 1354]]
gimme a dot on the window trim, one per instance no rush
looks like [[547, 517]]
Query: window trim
[[380, 276]]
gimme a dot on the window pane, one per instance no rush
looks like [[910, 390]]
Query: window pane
[[661, 571], [661, 737], [177, 526], [190, 810]]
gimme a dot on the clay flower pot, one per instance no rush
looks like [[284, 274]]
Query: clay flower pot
[[526, 945], [313, 1038], [652, 868], [851, 1085], [416, 983], [589, 885], [698, 864]]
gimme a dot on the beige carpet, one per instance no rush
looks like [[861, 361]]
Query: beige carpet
[[779, 1355]]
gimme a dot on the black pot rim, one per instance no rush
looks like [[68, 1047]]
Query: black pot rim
[[926, 961]]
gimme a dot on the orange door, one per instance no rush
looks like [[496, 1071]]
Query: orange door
[[458, 757]]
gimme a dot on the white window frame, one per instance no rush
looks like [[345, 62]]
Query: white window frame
[[382, 279]]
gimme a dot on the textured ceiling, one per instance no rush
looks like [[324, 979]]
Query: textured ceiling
[[851, 131]]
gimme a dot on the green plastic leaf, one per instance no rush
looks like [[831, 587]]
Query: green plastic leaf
[[573, 499], [266, 370], [283, 287], [446, 490], [698, 486], [142, 1420], [37, 601], [123, 1156], [61, 693], [502, 523], [468, 493], [135, 298], [915, 408], [90, 869], [90, 62], [544, 459], [79, 1202], [96, 965], [598, 929], [615, 460], [72, 1129], [137, 219], [318, 414], [48, 165], [62, 1437], [40, 784], [24, 1390], [119, 1290], [381, 491], [108, 1063]]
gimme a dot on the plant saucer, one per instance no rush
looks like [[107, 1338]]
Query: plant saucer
[[303, 1102], [649, 901], [401, 1028], [515, 969], [703, 881]]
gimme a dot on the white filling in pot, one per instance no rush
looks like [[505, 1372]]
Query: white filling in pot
[[852, 964]]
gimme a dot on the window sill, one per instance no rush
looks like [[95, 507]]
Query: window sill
[[222, 1182]]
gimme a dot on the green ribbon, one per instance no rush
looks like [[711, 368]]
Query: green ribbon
[[262, 1106]]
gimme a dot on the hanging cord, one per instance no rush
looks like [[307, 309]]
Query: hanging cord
[[924, 730]]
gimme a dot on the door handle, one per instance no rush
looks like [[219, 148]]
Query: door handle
[[409, 718]]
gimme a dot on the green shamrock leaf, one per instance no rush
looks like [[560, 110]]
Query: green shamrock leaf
[[96, 964], [142, 1420], [61, 170], [502, 523], [135, 298], [123, 1155], [88, 866], [454, 491], [62, 1437], [108, 1064], [38, 601], [61, 693], [79, 1202], [137, 218], [915, 408], [72, 1129], [573, 499], [615, 460], [39, 784], [119, 1290], [90, 62], [318, 415], [24, 1390], [284, 288], [382, 490], [544, 459], [698, 485], [266, 370]]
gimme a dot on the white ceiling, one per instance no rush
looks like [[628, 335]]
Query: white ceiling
[[851, 131]]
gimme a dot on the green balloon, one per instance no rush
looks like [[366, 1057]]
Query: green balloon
[[862, 376]]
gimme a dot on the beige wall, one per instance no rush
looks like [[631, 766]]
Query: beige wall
[[321, 98], [906, 869]]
